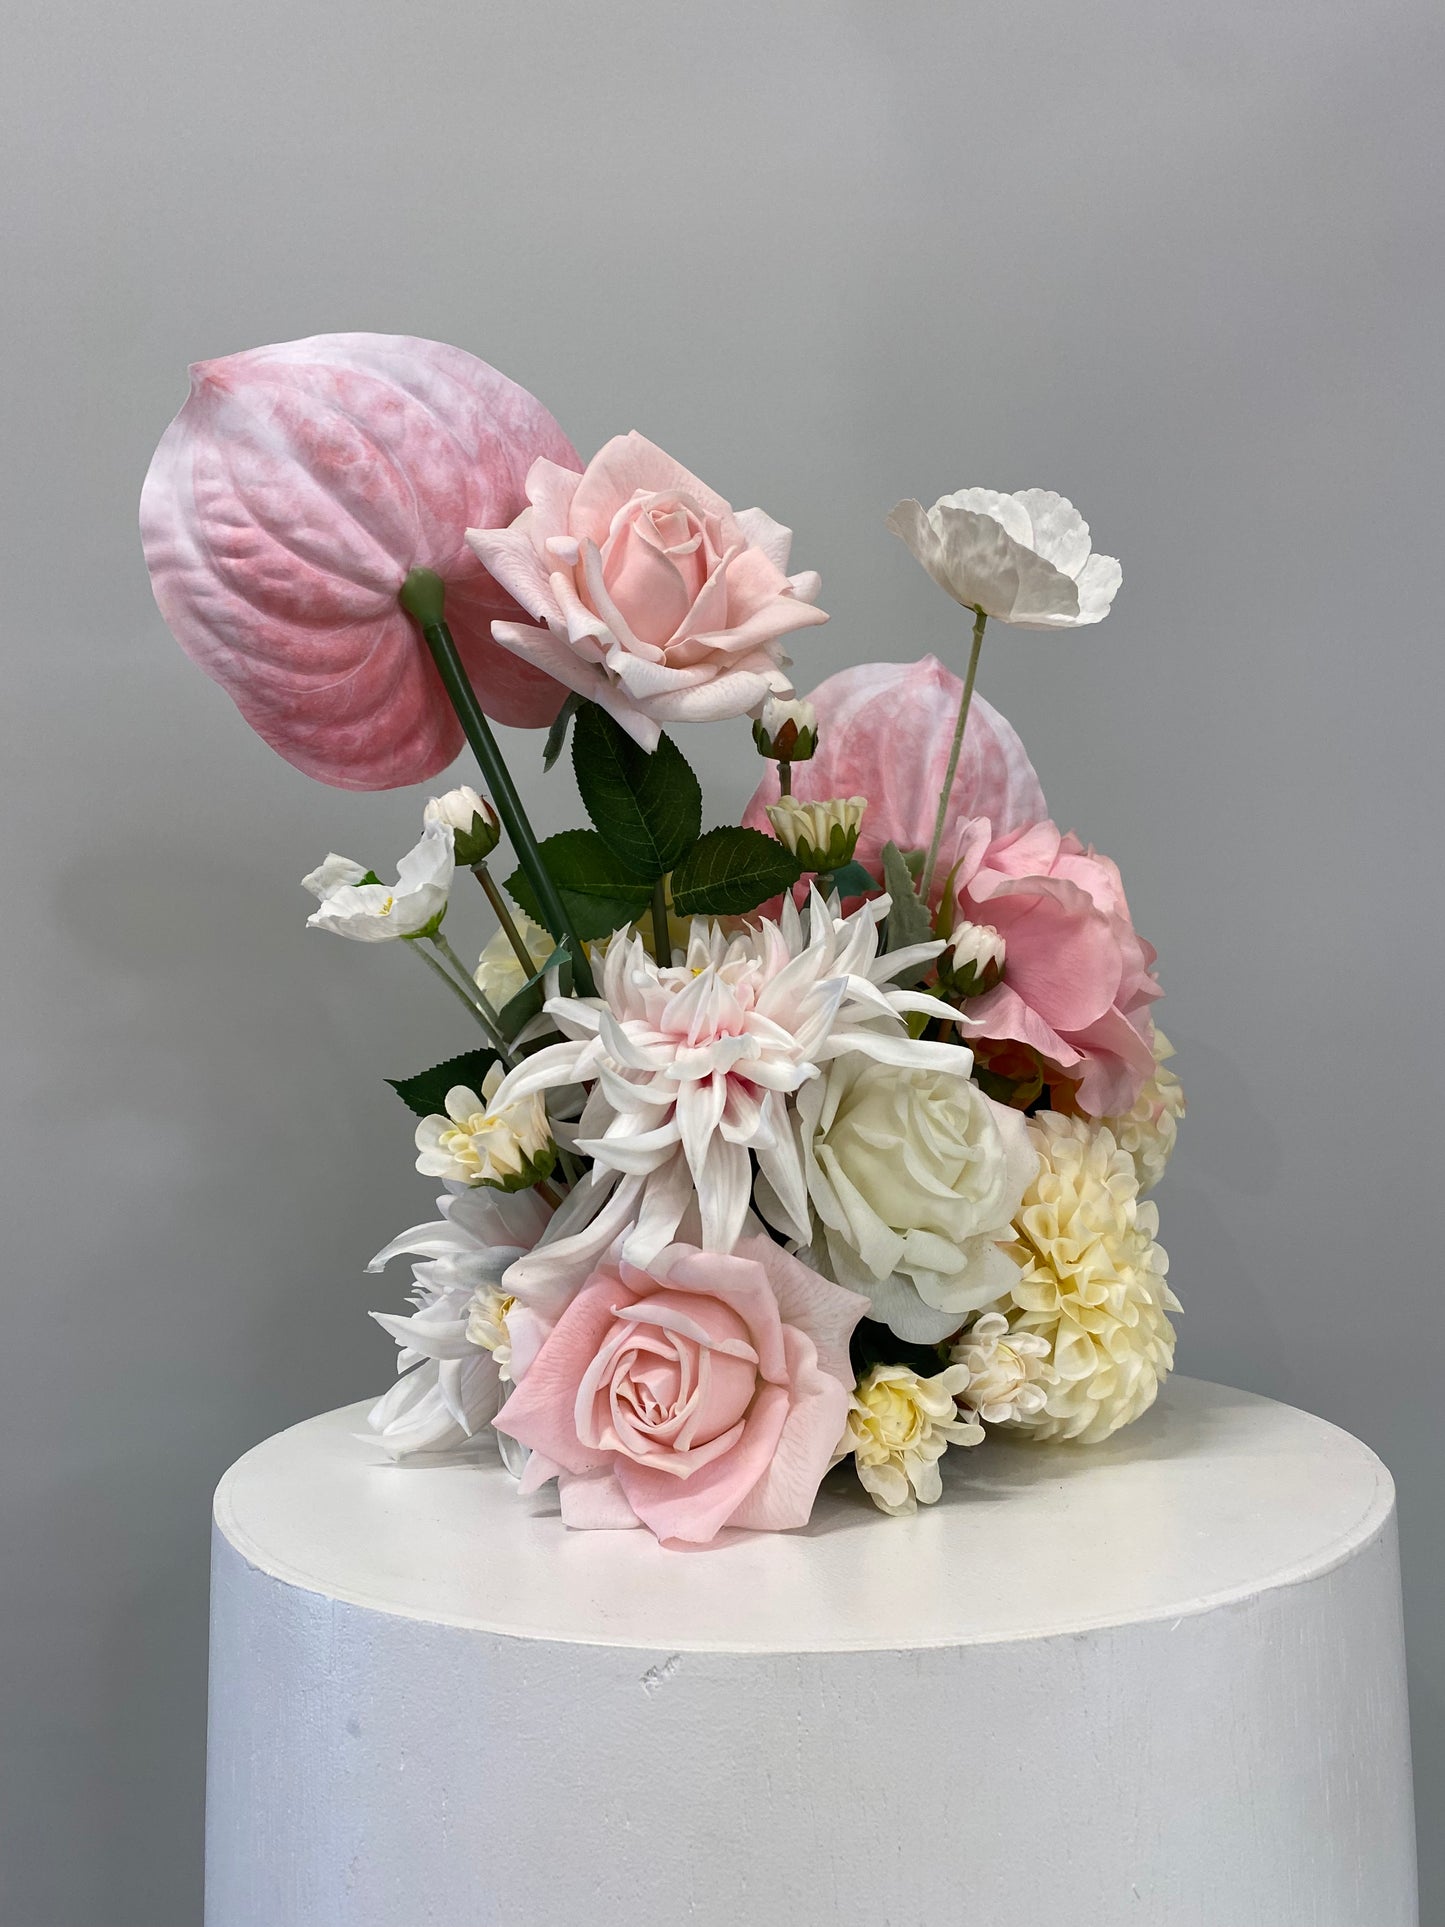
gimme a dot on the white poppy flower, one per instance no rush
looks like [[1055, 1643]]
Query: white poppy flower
[[1022, 558], [480, 1142], [915, 1176], [377, 912]]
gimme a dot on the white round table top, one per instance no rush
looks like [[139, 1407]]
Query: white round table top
[[1214, 1495]]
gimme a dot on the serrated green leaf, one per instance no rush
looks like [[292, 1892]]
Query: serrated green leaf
[[557, 734], [525, 1004], [647, 809], [731, 871], [600, 892], [426, 1093]]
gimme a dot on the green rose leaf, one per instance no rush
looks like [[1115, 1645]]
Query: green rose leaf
[[557, 734], [600, 892], [526, 1003], [426, 1093], [731, 871], [647, 809]]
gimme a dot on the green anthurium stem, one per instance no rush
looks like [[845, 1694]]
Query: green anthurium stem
[[505, 918], [941, 820], [423, 598]]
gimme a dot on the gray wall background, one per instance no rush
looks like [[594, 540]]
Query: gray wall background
[[1184, 264]]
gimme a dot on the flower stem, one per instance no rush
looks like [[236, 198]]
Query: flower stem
[[505, 919], [470, 985], [661, 935], [422, 596], [785, 778], [940, 821], [499, 1042]]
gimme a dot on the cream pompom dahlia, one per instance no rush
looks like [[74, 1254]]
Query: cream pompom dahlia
[[899, 1427], [1148, 1132], [1092, 1281]]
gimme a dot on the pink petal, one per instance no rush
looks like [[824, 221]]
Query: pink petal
[[539, 1412], [594, 1502], [696, 1509], [783, 1496], [283, 509], [619, 470], [885, 731]]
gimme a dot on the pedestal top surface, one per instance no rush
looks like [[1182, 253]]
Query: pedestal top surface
[[1214, 1495]]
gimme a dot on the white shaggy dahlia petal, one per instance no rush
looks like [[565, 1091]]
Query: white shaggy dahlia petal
[[689, 1068], [1090, 1280], [449, 1386]]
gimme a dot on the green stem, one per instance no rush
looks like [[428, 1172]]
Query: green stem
[[661, 935], [422, 596], [785, 778], [505, 919], [940, 821], [499, 1043], [470, 985]]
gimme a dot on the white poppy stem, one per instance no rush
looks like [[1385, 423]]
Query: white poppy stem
[[473, 1000], [939, 822]]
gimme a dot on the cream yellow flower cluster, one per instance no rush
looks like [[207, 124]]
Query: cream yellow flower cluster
[[487, 1326], [899, 1427], [1148, 1132], [1092, 1281], [507, 1146], [1008, 1371]]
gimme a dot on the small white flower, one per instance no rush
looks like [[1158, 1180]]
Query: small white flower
[[499, 969], [449, 1387], [977, 945], [786, 730], [900, 1426], [1022, 558], [487, 1326], [1008, 1371], [507, 1146], [376, 912], [822, 836], [915, 1176], [1150, 1129], [472, 821]]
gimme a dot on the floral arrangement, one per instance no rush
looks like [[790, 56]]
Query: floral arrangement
[[820, 1136]]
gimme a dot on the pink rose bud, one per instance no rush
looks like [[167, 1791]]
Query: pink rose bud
[[286, 505]]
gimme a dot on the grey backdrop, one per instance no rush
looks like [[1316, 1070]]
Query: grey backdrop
[[1184, 264]]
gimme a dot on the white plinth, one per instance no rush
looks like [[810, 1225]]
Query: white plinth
[[1155, 1681]]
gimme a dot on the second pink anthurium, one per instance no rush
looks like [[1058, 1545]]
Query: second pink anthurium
[[285, 506]]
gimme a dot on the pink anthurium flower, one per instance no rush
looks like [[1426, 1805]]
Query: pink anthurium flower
[[285, 506], [884, 732]]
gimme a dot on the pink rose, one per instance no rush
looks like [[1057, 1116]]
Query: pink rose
[[1077, 980], [884, 732], [710, 1390], [661, 603], [284, 508]]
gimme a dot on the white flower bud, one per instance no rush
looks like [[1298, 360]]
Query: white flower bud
[[978, 945], [822, 836], [786, 729], [472, 819]]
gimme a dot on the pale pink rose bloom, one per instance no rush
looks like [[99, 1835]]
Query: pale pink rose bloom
[[659, 601], [710, 1390], [884, 732], [1077, 980], [284, 508]]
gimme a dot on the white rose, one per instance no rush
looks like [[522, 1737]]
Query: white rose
[[377, 912], [1021, 558], [915, 1176]]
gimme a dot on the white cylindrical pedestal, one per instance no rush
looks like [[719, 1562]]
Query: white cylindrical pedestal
[[1158, 1681]]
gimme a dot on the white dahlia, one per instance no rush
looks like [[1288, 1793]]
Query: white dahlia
[[690, 1069], [899, 1427], [1008, 1371], [1148, 1132], [1091, 1281], [450, 1386]]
